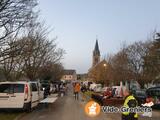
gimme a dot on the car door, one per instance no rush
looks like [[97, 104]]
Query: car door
[[41, 92], [35, 95], [17, 95], [4, 96]]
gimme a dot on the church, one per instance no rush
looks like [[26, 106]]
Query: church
[[97, 72]]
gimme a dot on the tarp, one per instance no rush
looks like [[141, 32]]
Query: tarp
[[50, 99]]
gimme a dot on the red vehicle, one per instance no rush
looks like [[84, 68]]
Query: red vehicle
[[108, 93]]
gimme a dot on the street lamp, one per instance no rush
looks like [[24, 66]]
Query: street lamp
[[104, 64], [104, 72]]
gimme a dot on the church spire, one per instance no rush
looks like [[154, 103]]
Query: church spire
[[96, 49], [96, 54]]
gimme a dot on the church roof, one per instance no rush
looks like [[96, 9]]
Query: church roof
[[103, 63]]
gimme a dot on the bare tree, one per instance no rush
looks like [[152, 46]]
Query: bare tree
[[14, 14], [24, 43], [38, 51], [27, 55], [152, 59], [51, 71], [121, 71], [135, 55], [11, 62]]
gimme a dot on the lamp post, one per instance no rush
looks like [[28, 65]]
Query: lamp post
[[104, 65], [104, 73]]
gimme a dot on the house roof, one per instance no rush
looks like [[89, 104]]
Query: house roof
[[69, 72]]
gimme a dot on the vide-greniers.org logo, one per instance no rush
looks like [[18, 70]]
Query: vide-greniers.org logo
[[112, 109], [93, 109], [146, 111]]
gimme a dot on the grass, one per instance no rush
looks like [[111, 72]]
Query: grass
[[89, 93], [8, 116]]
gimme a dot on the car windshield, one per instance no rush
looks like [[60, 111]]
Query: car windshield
[[141, 93], [154, 93]]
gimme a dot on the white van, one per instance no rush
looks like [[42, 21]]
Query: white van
[[96, 87], [19, 95]]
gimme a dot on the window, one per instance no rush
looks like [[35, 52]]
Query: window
[[34, 87], [4, 88], [11, 88], [154, 92], [18, 88]]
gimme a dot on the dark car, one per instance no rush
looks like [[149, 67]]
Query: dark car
[[46, 88], [140, 96], [154, 93], [98, 97]]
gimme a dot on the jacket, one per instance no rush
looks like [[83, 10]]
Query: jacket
[[130, 102]]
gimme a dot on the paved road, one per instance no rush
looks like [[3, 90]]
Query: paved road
[[67, 108]]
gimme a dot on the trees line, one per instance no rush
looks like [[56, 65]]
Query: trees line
[[26, 50], [139, 61]]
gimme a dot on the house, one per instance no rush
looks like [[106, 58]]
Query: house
[[82, 77], [69, 75]]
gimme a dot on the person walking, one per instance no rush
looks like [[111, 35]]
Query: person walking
[[130, 102], [77, 89], [83, 90]]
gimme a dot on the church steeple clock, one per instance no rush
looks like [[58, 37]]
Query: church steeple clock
[[96, 54]]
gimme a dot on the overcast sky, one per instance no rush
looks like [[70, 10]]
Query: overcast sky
[[78, 22]]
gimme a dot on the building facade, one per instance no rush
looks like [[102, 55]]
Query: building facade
[[69, 75]]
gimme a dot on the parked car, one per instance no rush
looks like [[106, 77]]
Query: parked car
[[140, 96], [108, 93], [47, 89], [19, 95], [98, 97], [96, 87], [104, 89], [154, 93]]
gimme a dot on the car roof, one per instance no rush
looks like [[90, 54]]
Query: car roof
[[153, 88], [8, 82], [17, 82]]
